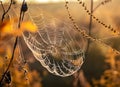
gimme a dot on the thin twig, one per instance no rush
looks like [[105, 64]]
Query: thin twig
[[106, 26], [2, 6], [84, 34], [15, 45], [3, 16], [100, 4], [5, 12], [90, 26], [97, 7]]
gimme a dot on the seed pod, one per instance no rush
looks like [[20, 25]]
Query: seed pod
[[24, 7]]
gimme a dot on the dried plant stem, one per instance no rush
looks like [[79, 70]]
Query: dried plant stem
[[5, 12], [2, 6], [78, 80], [84, 34], [16, 40], [116, 32], [90, 25], [102, 3], [15, 44]]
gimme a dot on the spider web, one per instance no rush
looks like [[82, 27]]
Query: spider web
[[56, 45], [59, 48]]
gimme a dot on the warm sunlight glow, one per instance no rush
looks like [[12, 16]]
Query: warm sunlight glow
[[2, 0], [54, 1], [95, 0], [44, 1], [49, 1]]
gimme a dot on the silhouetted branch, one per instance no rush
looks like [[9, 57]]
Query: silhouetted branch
[[5, 12], [15, 44], [100, 4], [2, 6], [90, 26], [16, 40]]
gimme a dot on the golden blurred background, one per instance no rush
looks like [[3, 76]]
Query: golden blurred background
[[101, 67]]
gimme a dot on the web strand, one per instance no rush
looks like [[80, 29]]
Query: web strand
[[54, 46]]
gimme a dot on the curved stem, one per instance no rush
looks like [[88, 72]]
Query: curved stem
[[90, 25], [15, 44], [5, 12], [102, 3], [2, 6]]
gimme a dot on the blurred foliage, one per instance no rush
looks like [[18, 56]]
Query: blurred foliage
[[20, 74], [7, 27], [111, 76]]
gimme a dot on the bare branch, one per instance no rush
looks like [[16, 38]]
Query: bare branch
[[5, 12], [16, 40], [2, 6], [100, 4]]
